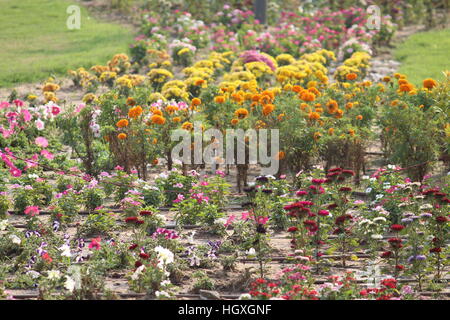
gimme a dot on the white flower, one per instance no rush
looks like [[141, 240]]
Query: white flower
[[65, 250], [3, 225], [251, 252], [69, 284], [365, 177], [53, 275], [33, 176], [390, 166], [383, 219], [369, 190], [162, 294], [379, 196], [377, 236], [426, 206], [137, 273], [165, 283], [220, 221], [15, 239], [245, 296], [165, 256], [33, 274], [163, 175]]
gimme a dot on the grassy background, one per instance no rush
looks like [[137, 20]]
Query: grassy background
[[36, 43], [424, 55]]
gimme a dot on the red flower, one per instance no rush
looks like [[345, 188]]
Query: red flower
[[140, 221], [131, 219], [133, 246], [400, 267], [348, 172], [145, 213], [144, 255], [301, 193], [46, 257], [389, 283], [345, 189], [441, 219], [137, 264], [386, 254], [397, 227], [436, 250], [323, 213], [292, 229]]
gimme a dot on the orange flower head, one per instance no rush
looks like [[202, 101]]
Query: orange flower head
[[351, 76], [281, 155], [332, 106], [331, 131], [196, 102], [234, 121], [135, 112], [314, 116], [241, 113], [122, 136], [268, 109], [359, 117], [122, 123], [429, 83], [219, 99], [176, 119], [157, 119], [187, 126], [131, 102]]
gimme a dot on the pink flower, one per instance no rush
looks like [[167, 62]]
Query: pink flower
[[262, 220], [179, 198], [95, 244], [229, 220], [245, 215], [41, 142], [47, 154], [40, 125], [31, 211]]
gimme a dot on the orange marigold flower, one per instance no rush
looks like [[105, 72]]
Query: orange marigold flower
[[332, 106], [331, 131], [131, 102], [187, 126], [297, 89], [351, 76], [317, 136], [314, 116], [349, 105], [351, 132], [429, 83], [315, 91], [157, 119], [241, 113], [219, 99], [122, 136], [135, 112], [387, 79], [359, 117], [196, 102], [171, 109], [155, 162], [307, 96], [156, 111], [339, 114], [303, 106], [122, 123], [234, 121], [268, 109], [176, 119], [199, 82], [280, 116], [407, 87], [281, 155], [319, 110]]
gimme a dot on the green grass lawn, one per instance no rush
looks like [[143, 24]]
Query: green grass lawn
[[36, 43], [424, 55]]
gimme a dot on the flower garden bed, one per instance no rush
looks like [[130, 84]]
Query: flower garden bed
[[93, 205]]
